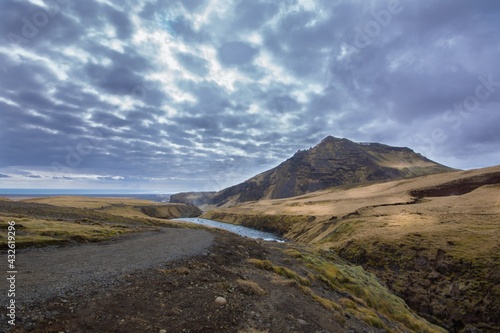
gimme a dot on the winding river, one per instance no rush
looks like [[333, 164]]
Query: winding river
[[237, 229]]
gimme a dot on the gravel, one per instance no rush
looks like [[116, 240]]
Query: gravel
[[51, 272]]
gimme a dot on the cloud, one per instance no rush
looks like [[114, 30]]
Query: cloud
[[110, 178], [193, 63], [203, 94], [4, 175], [34, 176], [236, 53]]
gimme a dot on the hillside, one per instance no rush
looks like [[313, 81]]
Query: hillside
[[63, 220], [192, 198], [433, 240], [123, 207], [332, 162]]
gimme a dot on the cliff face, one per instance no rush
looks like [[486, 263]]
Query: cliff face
[[170, 211], [332, 162], [192, 198]]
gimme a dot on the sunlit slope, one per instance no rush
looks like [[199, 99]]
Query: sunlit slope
[[122, 206], [337, 203], [434, 240]]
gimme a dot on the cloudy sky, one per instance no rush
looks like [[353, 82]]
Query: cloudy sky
[[165, 95]]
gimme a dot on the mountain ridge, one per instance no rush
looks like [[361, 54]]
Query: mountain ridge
[[332, 162]]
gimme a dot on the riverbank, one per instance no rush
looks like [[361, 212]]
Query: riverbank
[[236, 229]]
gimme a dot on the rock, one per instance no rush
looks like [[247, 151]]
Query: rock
[[163, 331], [302, 322], [221, 300], [434, 276]]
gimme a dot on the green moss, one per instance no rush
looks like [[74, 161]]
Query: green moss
[[280, 270], [293, 253], [371, 296]]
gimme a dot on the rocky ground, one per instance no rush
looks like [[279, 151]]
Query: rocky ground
[[219, 290]]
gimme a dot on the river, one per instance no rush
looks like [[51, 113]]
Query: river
[[237, 229]]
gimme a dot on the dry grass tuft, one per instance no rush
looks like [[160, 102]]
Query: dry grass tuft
[[250, 288], [283, 271]]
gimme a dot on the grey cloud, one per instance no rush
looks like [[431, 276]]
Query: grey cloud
[[193, 63], [252, 14], [129, 58], [4, 176], [395, 89], [121, 22], [31, 26], [193, 5], [20, 75], [109, 178], [71, 94], [115, 79], [236, 53], [184, 29]]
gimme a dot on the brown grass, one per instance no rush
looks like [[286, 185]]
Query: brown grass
[[39, 232], [280, 270], [90, 203], [250, 288]]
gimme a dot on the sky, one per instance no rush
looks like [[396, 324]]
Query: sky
[[168, 96]]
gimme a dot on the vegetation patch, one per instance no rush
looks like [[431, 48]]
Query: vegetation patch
[[250, 288], [40, 232], [280, 270], [368, 298]]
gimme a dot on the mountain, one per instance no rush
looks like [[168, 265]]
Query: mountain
[[332, 162], [191, 198]]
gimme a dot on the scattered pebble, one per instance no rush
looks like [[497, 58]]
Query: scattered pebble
[[221, 300]]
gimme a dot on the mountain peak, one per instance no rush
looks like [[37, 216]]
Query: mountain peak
[[330, 139], [332, 162]]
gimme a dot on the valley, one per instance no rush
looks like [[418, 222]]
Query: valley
[[433, 240]]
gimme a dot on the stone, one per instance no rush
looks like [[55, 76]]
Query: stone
[[434, 276], [221, 300]]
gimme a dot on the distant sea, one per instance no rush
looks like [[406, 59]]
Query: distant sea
[[20, 194]]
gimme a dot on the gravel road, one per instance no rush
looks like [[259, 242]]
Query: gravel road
[[48, 272]]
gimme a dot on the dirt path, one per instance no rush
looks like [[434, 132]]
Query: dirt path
[[135, 285], [49, 272], [179, 296]]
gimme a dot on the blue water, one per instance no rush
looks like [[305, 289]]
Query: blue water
[[237, 229], [37, 193]]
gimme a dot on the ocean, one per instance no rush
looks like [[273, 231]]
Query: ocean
[[20, 194]]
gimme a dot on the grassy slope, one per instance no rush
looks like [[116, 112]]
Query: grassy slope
[[440, 253], [60, 220], [132, 208]]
